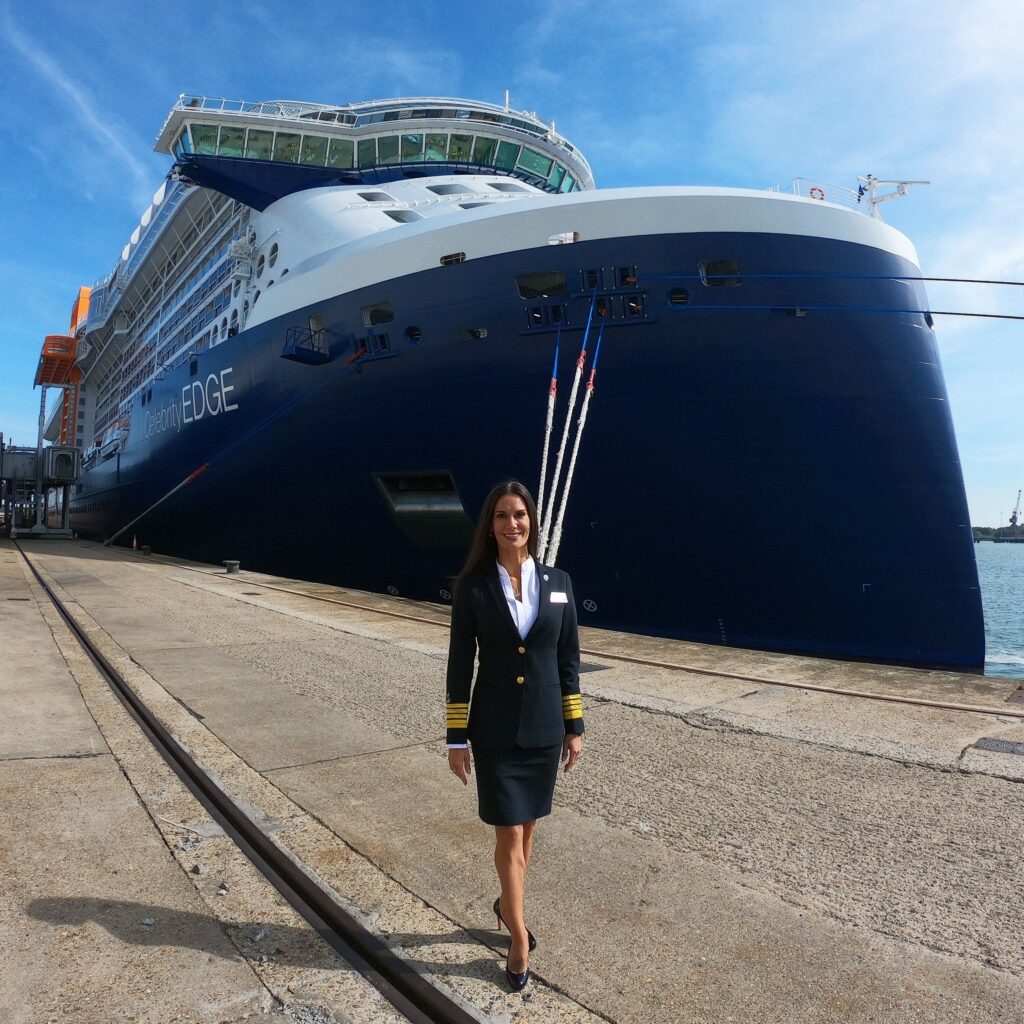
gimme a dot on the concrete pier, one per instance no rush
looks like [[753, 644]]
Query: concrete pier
[[725, 850]]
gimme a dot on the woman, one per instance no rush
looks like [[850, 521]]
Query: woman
[[526, 711]]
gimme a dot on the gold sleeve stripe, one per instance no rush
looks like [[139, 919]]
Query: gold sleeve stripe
[[457, 707], [568, 714], [456, 720], [572, 698]]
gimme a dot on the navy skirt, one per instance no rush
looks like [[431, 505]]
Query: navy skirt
[[515, 785]]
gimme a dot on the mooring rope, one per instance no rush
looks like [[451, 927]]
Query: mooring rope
[[241, 439], [545, 532], [556, 537], [552, 393]]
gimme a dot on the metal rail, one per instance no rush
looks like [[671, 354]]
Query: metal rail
[[971, 709], [406, 989]]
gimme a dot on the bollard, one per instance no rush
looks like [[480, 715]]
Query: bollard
[[145, 549], [231, 566]]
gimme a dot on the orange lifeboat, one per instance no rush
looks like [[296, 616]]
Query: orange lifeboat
[[57, 366]]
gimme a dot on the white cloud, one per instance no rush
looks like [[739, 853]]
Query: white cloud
[[85, 108]]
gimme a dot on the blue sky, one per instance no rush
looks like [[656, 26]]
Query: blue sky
[[668, 92]]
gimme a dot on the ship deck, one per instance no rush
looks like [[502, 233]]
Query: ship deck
[[737, 842]]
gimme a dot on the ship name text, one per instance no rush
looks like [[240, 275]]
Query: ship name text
[[198, 399]]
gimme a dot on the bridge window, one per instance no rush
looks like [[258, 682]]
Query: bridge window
[[259, 144], [314, 150], [367, 152], [567, 184], [412, 148], [184, 142], [286, 147], [460, 147], [341, 153], [388, 149], [437, 147], [508, 153], [232, 141], [535, 162], [204, 138], [483, 150], [557, 175]]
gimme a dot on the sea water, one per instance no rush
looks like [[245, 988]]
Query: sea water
[[1001, 575]]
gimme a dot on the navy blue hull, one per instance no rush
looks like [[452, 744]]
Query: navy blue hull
[[747, 476]]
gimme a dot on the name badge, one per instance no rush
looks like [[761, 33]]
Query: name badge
[[559, 597]]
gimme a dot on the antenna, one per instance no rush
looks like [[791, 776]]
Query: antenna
[[868, 184], [506, 100]]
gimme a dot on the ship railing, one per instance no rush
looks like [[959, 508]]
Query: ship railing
[[826, 192], [293, 110], [100, 310]]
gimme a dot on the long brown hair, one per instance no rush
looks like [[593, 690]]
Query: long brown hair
[[484, 549]]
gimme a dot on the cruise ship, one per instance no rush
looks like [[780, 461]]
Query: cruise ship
[[336, 327]]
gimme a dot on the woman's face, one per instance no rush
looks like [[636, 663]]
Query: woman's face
[[511, 524]]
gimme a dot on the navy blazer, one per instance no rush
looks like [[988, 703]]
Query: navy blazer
[[527, 691]]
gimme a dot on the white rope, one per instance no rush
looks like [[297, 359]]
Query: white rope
[[545, 530], [547, 445], [552, 393], [556, 538]]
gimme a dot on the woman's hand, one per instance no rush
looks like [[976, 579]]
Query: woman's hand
[[572, 747], [459, 762]]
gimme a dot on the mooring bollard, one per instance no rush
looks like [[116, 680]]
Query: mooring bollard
[[145, 549], [231, 566]]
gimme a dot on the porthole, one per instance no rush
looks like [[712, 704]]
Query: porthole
[[272, 258], [414, 335], [260, 264], [678, 297]]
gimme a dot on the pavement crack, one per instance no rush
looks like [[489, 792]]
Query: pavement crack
[[353, 757], [57, 757]]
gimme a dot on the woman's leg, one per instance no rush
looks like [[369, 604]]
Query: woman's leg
[[528, 827], [510, 861]]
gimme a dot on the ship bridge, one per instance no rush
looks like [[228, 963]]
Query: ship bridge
[[258, 152]]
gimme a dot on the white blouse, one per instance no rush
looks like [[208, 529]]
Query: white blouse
[[524, 612]]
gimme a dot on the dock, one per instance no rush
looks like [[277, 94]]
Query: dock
[[748, 837]]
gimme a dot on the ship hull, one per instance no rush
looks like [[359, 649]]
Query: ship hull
[[769, 466]]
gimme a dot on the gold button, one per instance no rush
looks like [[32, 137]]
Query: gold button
[[520, 680], [522, 650]]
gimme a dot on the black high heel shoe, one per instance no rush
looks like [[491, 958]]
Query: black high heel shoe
[[529, 935], [516, 982]]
